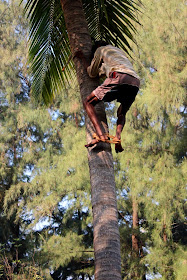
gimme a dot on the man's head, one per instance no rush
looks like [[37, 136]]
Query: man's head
[[98, 44]]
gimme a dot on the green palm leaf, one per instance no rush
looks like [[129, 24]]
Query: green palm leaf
[[49, 45], [49, 49], [111, 20]]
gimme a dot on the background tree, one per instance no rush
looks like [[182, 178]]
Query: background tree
[[13, 29], [153, 164], [31, 146]]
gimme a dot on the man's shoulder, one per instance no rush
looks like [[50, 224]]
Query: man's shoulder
[[111, 48], [107, 47], [103, 50]]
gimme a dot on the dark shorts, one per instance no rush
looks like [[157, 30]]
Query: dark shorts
[[120, 86]]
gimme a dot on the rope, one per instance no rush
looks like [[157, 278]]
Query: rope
[[113, 140]]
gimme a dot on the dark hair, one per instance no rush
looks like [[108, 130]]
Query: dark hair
[[96, 45]]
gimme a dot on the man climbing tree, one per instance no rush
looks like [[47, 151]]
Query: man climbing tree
[[122, 83]]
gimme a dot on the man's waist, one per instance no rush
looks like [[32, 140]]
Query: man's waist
[[123, 70], [125, 78], [113, 74]]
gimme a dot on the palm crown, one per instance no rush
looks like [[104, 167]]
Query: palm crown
[[49, 45]]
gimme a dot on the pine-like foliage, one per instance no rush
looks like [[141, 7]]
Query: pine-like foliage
[[153, 167], [14, 91], [12, 88], [41, 181]]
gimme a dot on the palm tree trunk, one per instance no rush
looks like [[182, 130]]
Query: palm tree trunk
[[105, 218]]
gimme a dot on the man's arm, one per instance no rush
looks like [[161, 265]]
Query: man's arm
[[93, 68]]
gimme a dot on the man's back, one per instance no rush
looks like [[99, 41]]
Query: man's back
[[108, 59]]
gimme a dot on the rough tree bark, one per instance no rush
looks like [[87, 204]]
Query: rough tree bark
[[105, 220]]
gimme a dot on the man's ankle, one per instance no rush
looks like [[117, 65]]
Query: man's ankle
[[118, 136], [103, 137]]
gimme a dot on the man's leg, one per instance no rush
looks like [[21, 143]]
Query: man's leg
[[121, 118], [89, 104]]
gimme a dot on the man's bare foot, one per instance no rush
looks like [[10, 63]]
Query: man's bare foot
[[92, 143], [118, 147], [106, 138], [96, 140]]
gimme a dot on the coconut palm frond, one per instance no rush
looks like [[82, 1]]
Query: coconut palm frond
[[111, 20], [49, 49]]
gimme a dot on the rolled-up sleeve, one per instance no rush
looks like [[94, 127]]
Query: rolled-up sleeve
[[93, 69]]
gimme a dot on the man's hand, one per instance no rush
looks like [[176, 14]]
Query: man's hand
[[79, 54]]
